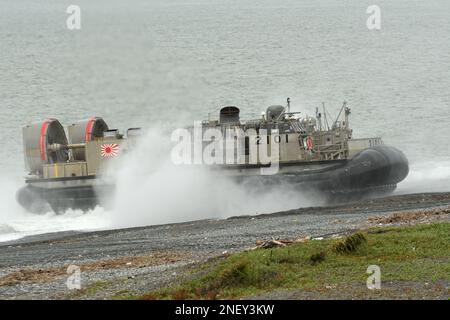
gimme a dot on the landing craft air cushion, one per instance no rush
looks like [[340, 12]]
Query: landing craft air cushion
[[312, 156]]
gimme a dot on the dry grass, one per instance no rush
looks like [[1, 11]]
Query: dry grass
[[46, 275], [149, 296], [349, 244], [411, 216]]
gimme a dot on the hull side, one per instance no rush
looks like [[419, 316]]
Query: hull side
[[375, 171]]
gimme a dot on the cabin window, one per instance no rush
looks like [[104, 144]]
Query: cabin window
[[247, 146]]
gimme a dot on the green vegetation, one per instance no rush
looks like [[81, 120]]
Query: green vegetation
[[90, 290], [414, 253], [123, 295]]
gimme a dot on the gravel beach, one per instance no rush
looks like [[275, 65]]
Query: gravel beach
[[129, 262]]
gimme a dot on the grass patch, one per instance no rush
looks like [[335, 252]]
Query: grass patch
[[123, 295], [317, 258], [90, 290], [350, 244], [414, 253]]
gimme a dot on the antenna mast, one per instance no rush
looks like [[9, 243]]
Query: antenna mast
[[340, 112], [325, 115]]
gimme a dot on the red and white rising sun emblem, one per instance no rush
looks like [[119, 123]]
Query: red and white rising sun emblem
[[109, 150]]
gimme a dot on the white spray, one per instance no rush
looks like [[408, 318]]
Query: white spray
[[430, 176], [16, 223], [151, 189]]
